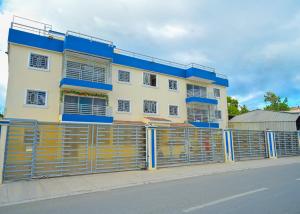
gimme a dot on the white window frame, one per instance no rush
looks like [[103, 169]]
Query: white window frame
[[177, 84], [119, 81], [177, 111], [156, 107], [124, 112], [38, 69], [220, 114], [219, 92], [34, 105], [150, 86]]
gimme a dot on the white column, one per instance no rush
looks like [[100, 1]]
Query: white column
[[151, 147], [228, 146]]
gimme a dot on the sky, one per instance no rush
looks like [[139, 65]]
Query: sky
[[255, 43]]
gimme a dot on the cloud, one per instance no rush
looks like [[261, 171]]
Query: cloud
[[257, 49]]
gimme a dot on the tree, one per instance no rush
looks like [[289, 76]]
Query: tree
[[275, 102], [233, 107], [244, 109]]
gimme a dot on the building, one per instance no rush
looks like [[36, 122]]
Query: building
[[72, 77], [294, 109], [266, 120]]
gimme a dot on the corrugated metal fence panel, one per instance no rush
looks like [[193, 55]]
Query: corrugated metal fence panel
[[249, 144], [188, 145], [287, 144], [120, 147]]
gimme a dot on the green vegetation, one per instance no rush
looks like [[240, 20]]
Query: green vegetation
[[275, 102], [234, 108]]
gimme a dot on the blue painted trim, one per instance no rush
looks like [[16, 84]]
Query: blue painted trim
[[29, 39], [231, 146], [4, 122], [205, 125], [86, 118], [226, 143], [270, 143], [82, 45], [153, 148], [201, 100], [100, 49], [85, 84]]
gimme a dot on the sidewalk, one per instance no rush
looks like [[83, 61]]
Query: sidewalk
[[26, 191]]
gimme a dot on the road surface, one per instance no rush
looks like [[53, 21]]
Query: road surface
[[266, 190]]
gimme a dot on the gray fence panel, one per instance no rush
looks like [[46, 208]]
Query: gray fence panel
[[37, 150], [286, 144], [249, 144], [188, 145]]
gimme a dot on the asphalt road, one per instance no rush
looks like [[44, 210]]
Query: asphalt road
[[265, 190]]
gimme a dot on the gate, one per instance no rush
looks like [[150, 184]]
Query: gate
[[188, 145], [249, 144], [287, 143], [37, 150]]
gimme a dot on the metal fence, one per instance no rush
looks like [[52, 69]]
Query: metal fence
[[287, 143], [36, 150], [188, 145], [249, 144]]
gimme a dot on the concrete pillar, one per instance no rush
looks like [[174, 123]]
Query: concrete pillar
[[271, 144], [3, 134], [151, 147], [228, 145]]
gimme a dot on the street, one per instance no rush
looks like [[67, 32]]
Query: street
[[265, 190]]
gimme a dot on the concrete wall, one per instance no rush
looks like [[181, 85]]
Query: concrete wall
[[22, 77]]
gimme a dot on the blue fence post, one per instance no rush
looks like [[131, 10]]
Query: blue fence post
[[3, 137], [228, 145], [151, 147], [270, 137]]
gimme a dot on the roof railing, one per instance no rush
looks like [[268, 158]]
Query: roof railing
[[88, 37], [43, 29]]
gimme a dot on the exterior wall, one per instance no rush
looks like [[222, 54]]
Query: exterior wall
[[136, 92], [21, 78], [274, 126]]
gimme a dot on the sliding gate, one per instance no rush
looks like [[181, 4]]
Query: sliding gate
[[249, 144], [36, 150], [188, 145]]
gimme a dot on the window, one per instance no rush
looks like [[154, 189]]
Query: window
[[216, 92], [173, 110], [150, 107], [36, 97], [39, 61], [196, 91], [123, 76], [150, 79], [218, 114], [173, 85], [123, 105]]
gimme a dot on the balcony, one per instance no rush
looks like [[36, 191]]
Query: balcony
[[201, 115], [198, 94], [85, 109], [86, 74]]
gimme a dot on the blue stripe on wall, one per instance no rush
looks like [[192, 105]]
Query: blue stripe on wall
[[85, 84], [153, 148], [107, 51], [201, 100], [205, 125], [86, 118], [29, 39]]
